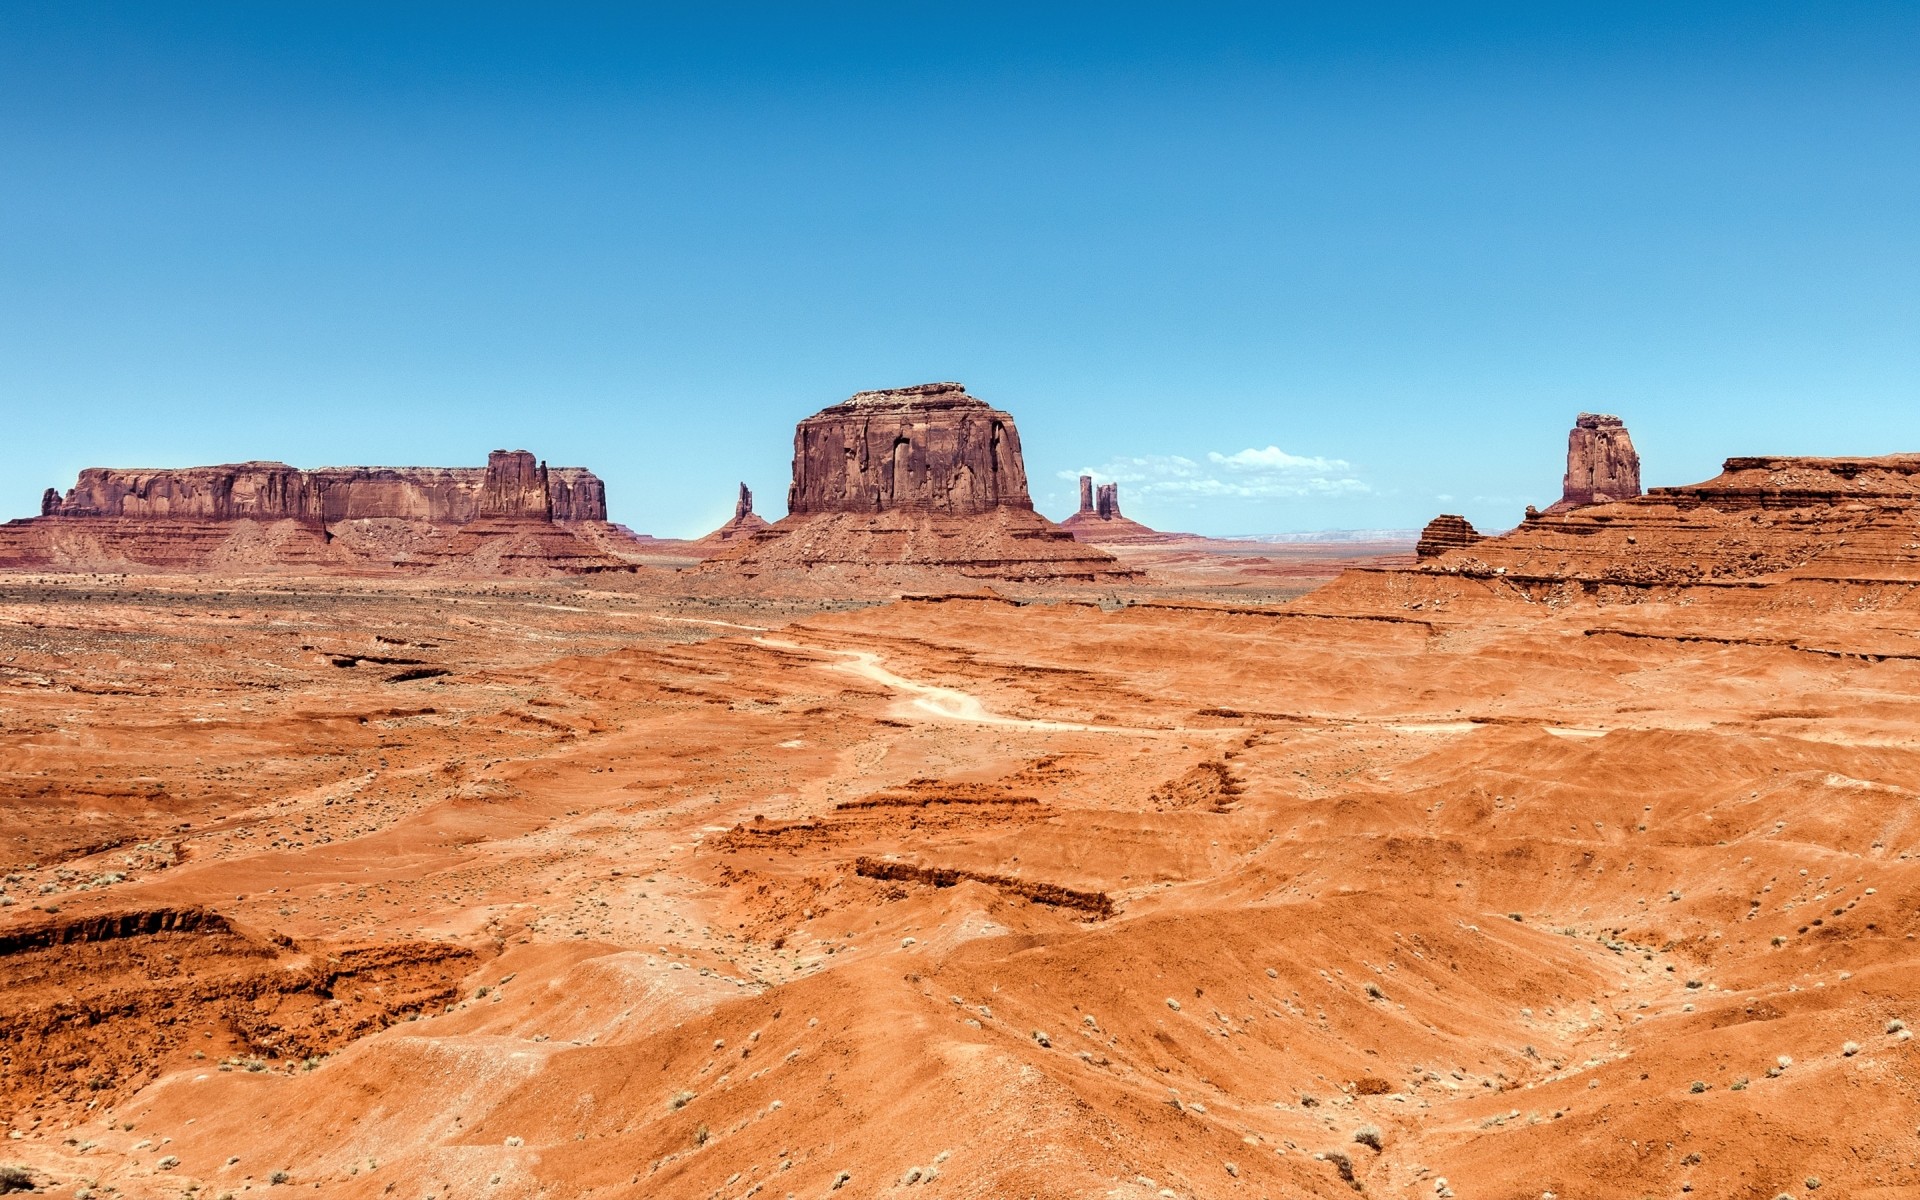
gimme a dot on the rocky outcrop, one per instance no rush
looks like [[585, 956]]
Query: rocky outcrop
[[745, 522], [1602, 465], [1099, 519], [512, 484], [1762, 526], [892, 486], [515, 516], [1448, 531], [929, 448]]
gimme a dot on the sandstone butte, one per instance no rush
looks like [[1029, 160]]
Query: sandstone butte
[[1099, 519], [1577, 860], [515, 516], [914, 482], [1602, 464]]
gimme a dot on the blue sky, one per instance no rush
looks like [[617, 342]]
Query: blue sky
[[1274, 267]]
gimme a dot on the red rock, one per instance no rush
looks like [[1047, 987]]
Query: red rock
[[1448, 531], [1765, 525], [893, 484], [745, 522], [929, 448], [1602, 464], [514, 516], [512, 484], [1099, 519]]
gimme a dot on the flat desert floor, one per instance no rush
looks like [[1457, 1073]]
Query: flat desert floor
[[567, 889]]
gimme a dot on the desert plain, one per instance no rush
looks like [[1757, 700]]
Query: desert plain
[[599, 886]]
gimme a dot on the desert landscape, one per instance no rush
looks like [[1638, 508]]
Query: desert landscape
[[443, 839]]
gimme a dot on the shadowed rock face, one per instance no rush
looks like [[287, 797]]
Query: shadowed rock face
[[513, 484], [930, 448], [1602, 464]]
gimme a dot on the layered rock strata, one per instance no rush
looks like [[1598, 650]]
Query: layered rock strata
[[514, 516], [1764, 524], [928, 448], [512, 484], [914, 479], [1448, 531]]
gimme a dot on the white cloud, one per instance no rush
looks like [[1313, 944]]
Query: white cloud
[[1273, 458], [1244, 474]]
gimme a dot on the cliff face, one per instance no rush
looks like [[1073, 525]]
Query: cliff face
[[910, 483], [1602, 464], [515, 516], [930, 448], [512, 484]]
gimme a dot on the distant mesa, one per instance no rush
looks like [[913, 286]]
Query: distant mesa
[[1448, 531], [745, 522], [514, 516], [922, 478], [1099, 519]]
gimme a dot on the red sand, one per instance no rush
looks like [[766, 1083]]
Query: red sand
[[592, 887]]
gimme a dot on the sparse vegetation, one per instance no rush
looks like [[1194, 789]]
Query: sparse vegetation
[[1368, 1136]]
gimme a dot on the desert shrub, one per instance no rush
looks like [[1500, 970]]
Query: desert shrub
[[15, 1179], [1368, 1136]]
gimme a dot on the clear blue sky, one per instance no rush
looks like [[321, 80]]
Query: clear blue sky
[[1275, 267]]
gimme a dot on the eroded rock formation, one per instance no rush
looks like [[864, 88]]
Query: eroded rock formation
[[912, 480], [1100, 520], [514, 516], [512, 484], [1602, 464], [928, 448], [1778, 525], [745, 521], [1448, 531]]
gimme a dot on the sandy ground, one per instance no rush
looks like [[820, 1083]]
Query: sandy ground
[[568, 889]]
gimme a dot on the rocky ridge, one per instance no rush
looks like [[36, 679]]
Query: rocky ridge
[[1768, 524], [515, 516]]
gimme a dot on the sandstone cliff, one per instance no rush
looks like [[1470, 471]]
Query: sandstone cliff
[[515, 516], [917, 480], [929, 448], [513, 483], [1602, 464]]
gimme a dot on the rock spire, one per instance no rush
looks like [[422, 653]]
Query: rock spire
[[1602, 464]]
